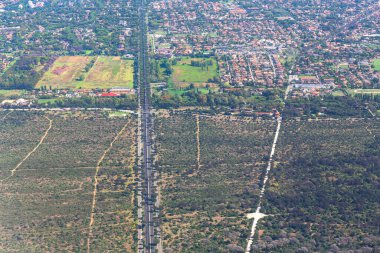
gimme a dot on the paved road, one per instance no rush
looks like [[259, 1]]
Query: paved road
[[146, 129]]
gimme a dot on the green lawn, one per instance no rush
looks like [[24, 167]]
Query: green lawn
[[364, 91], [343, 66], [338, 93], [46, 100], [184, 72], [376, 64], [9, 93], [110, 72]]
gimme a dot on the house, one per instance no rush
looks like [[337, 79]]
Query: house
[[19, 102], [110, 94]]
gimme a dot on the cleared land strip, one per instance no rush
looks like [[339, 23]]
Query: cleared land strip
[[13, 171], [96, 185], [257, 215]]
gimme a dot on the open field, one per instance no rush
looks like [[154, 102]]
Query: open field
[[110, 72], [185, 73], [71, 171], [323, 190], [64, 72], [10, 93], [376, 64], [204, 202], [88, 72], [364, 91]]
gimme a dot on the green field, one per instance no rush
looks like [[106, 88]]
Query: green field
[[343, 66], [110, 72], [364, 91], [184, 73], [47, 100], [86, 72], [9, 93], [376, 64]]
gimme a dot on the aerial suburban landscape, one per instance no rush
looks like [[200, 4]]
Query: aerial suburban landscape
[[190, 126]]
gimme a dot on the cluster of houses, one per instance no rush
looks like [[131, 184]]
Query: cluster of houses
[[113, 92], [310, 85], [268, 31], [21, 102], [198, 26], [259, 69], [29, 97]]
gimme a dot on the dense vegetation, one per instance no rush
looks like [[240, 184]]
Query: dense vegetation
[[324, 190], [327, 105], [46, 204], [128, 102], [74, 27], [203, 204], [25, 72]]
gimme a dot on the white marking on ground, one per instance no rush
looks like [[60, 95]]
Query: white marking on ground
[[257, 215]]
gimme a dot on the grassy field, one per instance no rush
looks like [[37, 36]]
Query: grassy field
[[106, 72], [10, 93], [376, 64], [46, 205], [204, 199], [110, 72], [184, 73], [364, 91]]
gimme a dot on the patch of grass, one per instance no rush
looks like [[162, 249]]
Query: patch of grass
[[363, 91], [47, 100], [9, 93], [343, 66], [63, 73], [117, 114], [106, 72], [184, 72], [110, 72], [338, 93], [376, 64]]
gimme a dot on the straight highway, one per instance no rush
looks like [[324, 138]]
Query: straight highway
[[146, 130]]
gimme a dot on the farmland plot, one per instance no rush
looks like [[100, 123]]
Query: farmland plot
[[88, 72], [110, 72], [204, 208], [64, 72], [323, 192], [46, 206]]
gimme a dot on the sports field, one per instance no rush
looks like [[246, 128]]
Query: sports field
[[86, 72]]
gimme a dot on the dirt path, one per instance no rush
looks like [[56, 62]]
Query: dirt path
[[370, 132], [198, 142], [5, 116], [13, 171], [96, 185]]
